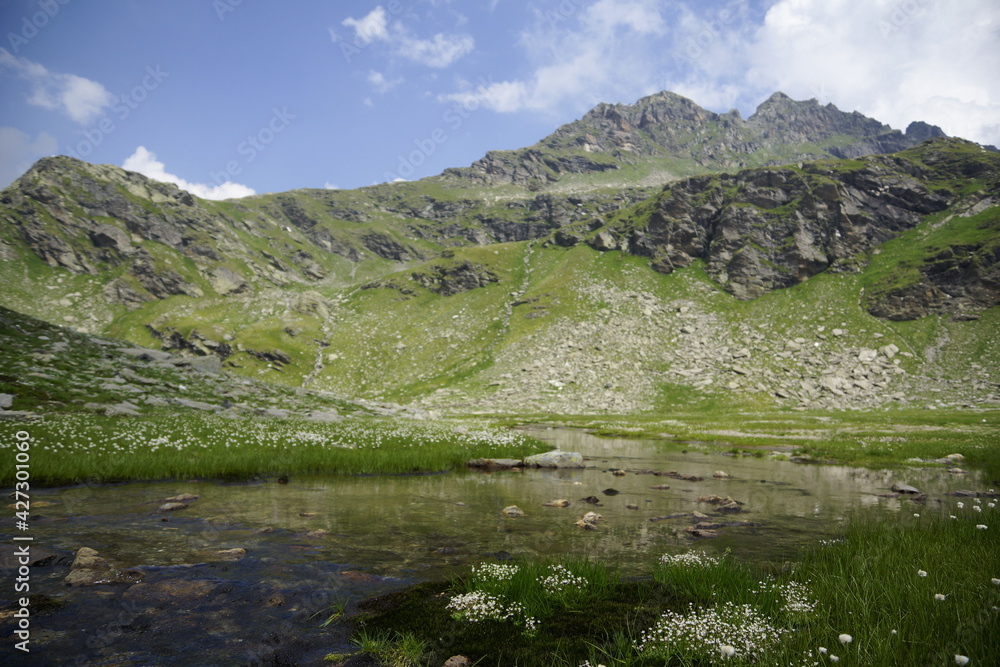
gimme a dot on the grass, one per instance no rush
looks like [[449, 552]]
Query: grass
[[72, 448], [860, 598]]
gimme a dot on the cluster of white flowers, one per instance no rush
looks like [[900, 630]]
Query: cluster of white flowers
[[480, 606], [84, 434], [560, 580], [494, 571], [797, 598], [728, 629], [690, 559]]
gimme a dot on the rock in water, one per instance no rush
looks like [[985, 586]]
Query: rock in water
[[513, 511], [555, 459], [904, 488], [182, 498], [562, 502], [170, 507]]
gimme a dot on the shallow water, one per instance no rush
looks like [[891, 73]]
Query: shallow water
[[384, 532]]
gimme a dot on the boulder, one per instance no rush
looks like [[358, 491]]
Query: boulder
[[209, 364], [145, 354], [555, 459], [325, 415], [904, 488], [6, 401], [512, 511]]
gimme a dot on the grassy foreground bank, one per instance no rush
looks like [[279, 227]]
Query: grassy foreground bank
[[73, 448], [897, 589]]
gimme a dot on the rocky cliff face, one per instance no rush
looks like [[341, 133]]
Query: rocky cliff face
[[666, 125], [765, 229]]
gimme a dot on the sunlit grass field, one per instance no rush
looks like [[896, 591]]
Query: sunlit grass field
[[72, 448]]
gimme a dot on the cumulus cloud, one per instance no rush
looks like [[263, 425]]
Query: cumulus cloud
[[18, 151], [438, 51], [81, 99], [371, 27], [895, 61], [145, 162], [582, 55]]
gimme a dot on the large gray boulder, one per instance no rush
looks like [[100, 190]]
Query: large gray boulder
[[555, 459]]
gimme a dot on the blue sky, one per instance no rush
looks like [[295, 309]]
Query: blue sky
[[234, 97]]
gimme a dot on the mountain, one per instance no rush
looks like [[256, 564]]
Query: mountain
[[852, 280], [666, 135]]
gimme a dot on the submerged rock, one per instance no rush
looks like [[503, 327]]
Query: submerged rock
[[181, 498], [562, 502], [495, 464], [170, 507], [90, 568]]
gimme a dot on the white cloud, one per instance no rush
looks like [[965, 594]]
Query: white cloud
[[895, 61], [81, 99], [145, 162], [373, 26], [441, 50], [604, 51], [18, 152], [503, 97]]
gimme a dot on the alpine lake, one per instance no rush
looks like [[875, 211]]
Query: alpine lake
[[250, 573]]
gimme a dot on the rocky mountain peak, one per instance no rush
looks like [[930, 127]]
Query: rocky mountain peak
[[666, 136]]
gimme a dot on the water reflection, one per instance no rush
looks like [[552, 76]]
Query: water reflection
[[321, 539], [418, 525]]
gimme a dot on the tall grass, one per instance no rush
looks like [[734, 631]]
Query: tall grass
[[892, 590], [68, 449]]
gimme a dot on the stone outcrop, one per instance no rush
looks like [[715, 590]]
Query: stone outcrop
[[765, 229], [668, 125]]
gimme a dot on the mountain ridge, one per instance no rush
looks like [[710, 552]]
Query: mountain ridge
[[668, 126], [455, 295]]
